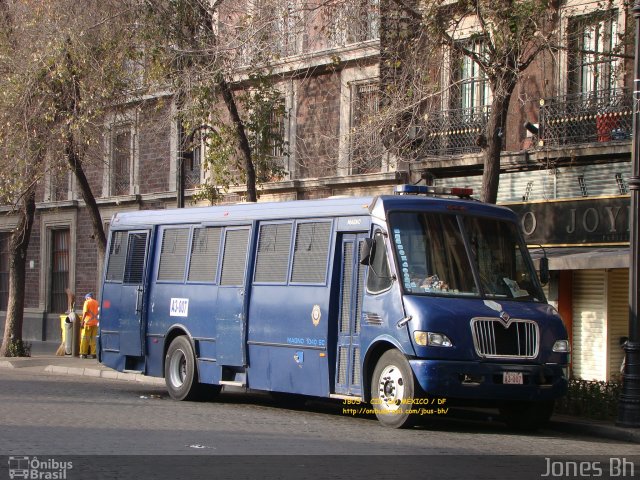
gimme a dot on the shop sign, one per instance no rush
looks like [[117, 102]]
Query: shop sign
[[575, 222]]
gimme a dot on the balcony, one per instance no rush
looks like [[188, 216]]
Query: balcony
[[451, 132], [575, 119]]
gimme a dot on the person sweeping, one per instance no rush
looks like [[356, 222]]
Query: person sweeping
[[89, 323]]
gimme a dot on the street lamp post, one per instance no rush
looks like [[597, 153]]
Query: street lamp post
[[629, 403]]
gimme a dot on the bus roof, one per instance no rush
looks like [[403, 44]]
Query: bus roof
[[329, 207]]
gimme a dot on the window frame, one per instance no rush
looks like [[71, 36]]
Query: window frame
[[605, 25]]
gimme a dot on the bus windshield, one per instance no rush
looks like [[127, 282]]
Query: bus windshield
[[431, 253]]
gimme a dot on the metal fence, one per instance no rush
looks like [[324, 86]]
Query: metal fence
[[451, 132], [600, 116]]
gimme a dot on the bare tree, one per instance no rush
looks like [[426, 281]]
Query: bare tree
[[215, 56], [64, 64], [21, 156]]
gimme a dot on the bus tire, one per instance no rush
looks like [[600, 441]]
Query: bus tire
[[526, 416], [180, 370], [392, 389]]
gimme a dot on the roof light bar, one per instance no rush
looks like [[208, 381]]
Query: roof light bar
[[426, 190]]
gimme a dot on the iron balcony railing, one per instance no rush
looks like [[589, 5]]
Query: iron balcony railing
[[600, 116], [452, 132]]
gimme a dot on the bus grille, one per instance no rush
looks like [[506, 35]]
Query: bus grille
[[494, 338]]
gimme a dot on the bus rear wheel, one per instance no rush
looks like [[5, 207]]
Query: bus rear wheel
[[180, 373], [392, 390]]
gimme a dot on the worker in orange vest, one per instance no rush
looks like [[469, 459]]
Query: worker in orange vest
[[89, 325]]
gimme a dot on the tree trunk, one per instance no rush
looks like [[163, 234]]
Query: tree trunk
[[243, 142], [502, 91], [17, 266], [75, 163]]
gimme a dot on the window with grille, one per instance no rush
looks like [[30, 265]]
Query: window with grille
[[287, 25], [59, 185], [59, 270], [272, 262], [117, 257], [592, 41], [136, 251], [121, 158], [365, 142], [192, 162], [205, 248], [311, 252], [173, 254], [5, 239], [352, 22], [235, 257]]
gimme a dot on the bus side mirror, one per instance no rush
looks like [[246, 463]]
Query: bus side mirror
[[366, 248], [544, 270]]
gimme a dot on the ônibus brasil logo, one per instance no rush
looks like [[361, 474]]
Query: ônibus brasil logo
[[37, 469]]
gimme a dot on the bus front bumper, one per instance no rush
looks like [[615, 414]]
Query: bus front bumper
[[490, 381]]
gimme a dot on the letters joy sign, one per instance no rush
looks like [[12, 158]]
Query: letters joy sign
[[575, 222]]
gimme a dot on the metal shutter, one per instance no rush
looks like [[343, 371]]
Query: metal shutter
[[589, 324], [311, 252], [173, 254], [204, 254], [234, 257], [617, 317], [274, 244]]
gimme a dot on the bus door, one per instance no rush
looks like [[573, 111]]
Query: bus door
[[133, 294], [352, 273], [230, 312]]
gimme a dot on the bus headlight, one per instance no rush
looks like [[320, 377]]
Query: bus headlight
[[431, 339], [562, 346]]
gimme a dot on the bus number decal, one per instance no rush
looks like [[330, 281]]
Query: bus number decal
[[179, 307]]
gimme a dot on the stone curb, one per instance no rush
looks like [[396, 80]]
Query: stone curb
[[610, 432], [108, 374]]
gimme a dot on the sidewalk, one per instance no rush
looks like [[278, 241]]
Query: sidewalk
[[43, 358]]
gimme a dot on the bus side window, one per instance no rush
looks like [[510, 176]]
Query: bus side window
[[136, 252], [173, 254], [117, 256], [311, 251], [205, 248], [272, 261], [379, 278]]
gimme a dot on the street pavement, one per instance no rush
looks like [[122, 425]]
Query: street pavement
[[43, 359]]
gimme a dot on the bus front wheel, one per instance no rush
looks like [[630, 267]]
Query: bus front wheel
[[392, 390], [180, 372]]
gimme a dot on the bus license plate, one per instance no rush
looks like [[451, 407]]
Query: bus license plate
[[512, 378]]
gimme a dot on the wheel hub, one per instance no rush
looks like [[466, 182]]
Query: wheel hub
[[178, 368], [391, 388]]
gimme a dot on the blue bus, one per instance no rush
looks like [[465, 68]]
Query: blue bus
[[387, 300]]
